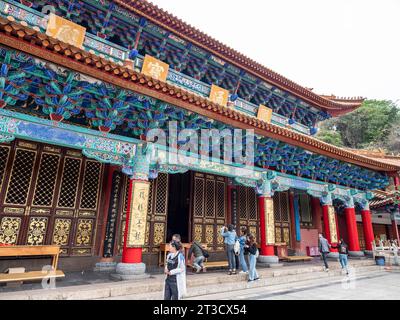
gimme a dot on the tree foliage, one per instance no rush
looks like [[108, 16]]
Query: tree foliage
[[373, 125]]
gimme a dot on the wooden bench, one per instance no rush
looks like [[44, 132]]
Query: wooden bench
[[297, 258], [25, 251]]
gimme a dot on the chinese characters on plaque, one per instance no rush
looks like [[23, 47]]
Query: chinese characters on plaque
[[219, 95], [269, 221], [155, 68], [264, 113], [138, 214], [332, 224], [65, 30]]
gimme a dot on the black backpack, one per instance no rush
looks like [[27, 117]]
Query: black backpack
[[204, 251]]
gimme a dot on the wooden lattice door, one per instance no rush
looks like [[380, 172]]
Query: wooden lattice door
[[248, 210], [49, 195], [282, 217], [209, 209]]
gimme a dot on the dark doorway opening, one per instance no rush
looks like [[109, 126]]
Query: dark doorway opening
[[179, 206]]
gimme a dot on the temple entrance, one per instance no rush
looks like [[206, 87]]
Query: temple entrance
[[179, 206]]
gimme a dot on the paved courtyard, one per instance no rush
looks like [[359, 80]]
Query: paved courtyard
[[385, 286]]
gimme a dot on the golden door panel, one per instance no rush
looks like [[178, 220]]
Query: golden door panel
[[37, 231], [9, 230], [84, 232], [61, 232]]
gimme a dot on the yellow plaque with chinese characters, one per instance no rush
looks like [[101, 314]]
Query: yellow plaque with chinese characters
[[139, 200], [264, 113], [65, 30], [155, 68], [219, 95], [332, 224], [269, 221]]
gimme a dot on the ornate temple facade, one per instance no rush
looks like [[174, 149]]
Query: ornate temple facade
[[82, 83]]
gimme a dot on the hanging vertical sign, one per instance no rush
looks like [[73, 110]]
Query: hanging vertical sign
[[139, 199], [219, 95], [269, 221], [264, 113], [155, 68], [332, 224], [112, 216], [234, 206], [65, 30]]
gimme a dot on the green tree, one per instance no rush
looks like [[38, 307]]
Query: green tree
[[369, 126]]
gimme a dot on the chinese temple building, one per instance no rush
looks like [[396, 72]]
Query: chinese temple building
[[83, 82]]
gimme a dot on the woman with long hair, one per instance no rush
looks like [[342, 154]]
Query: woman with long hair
[[229, 235], [251, 247]]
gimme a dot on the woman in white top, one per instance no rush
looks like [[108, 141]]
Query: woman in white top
[[175, 271]]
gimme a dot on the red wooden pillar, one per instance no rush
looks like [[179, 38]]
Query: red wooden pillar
[[328, 232], [265, 249], [354, 243], [367, 228], [130, 255]]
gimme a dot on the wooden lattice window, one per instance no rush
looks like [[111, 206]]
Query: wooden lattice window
[[282, 217], [248, 210]]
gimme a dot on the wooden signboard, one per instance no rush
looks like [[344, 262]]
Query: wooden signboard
[[138, 214], [65, 30], [155, 68], [219, 95], [264, 113], [269, 221]]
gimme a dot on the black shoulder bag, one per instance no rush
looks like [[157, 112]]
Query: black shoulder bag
[[205, 252]]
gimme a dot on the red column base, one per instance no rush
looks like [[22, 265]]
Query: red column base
[[132, 255]]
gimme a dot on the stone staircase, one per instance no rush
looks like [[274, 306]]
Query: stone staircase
[[199, 285]]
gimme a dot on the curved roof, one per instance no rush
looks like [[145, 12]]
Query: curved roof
[[43, 46], [186, 31]]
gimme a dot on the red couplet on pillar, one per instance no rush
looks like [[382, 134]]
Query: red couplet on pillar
[[354, 244], [325, 217], [367, 228], [130, 255], [265, 250]]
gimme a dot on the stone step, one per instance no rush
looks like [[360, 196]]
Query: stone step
[[265, 286], [156, 283]]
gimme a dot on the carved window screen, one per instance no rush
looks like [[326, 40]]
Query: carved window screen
[[248, 210], [69, 184], [46, 181], [21, 174]]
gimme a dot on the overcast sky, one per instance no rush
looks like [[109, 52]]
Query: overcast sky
[[343, 47]]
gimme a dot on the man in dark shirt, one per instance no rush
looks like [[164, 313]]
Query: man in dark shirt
[[199, 258]]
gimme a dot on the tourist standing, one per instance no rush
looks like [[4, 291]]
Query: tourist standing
[[324, 250], [242, 240], [251, 247], [343, 254], [175, 271], [229, 235], [199, 258]]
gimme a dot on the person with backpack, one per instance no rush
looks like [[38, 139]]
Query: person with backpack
[[229, 235], [251, 248], [324, 250], [343, 254], [242, 241], [175, 273], [199, 257]]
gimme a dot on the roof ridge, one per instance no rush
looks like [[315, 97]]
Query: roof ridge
[[163, 17]]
